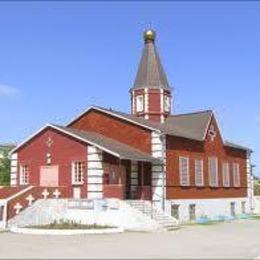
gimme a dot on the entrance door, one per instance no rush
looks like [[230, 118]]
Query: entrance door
[[175, 211], [76, 193], [192, 212], [233, 209], [49, 176]]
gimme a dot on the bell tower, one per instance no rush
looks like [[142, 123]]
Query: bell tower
[[151, 93]]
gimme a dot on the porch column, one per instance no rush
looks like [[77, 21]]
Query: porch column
[[134, 177], [95, 172], [158, 170]]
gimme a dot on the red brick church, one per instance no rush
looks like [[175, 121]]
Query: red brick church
[[179, 162]]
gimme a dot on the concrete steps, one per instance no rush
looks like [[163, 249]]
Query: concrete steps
[[165, 221]]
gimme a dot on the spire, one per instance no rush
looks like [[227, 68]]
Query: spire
[[150, 72]]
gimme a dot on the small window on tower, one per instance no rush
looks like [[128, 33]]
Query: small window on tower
[[139, 103], [166, 103]]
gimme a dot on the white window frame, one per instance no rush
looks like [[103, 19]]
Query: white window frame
[[226, 174], [199, 173], [184, 171], [167, 103], [213, 172], [139, 103], [24, 174], [236, 175], [77, 177]]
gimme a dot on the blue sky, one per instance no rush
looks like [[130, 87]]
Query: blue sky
[[57, 58]]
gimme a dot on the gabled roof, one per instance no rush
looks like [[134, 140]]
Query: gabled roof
[[104, 143], [153, 126], [237, 146], [150, 72], [117, 148], [191, 126]]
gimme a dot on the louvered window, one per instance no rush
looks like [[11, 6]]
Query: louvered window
[[226, 174], [199, 180], [236, 175], [213, 171], [184, 171]]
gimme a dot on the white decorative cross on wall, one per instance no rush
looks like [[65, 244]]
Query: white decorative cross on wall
[[17, 208], [49, 142], [56, 194], [45, 194], [30, 199], [212, 133]]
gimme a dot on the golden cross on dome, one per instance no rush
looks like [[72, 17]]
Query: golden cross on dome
[[49, 142]]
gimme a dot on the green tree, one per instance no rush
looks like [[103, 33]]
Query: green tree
[[257, 187], [5, 165]]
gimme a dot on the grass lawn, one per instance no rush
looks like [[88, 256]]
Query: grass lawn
[[68, 225]]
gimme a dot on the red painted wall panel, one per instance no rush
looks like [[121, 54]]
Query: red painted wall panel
[[115, 128], [198, 150], [63, 151]]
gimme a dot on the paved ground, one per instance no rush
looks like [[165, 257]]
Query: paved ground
[[236, 239]]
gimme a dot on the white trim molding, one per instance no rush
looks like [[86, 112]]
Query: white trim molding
[[14, 169]]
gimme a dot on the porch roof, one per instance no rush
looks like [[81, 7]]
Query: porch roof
[[109, 145]]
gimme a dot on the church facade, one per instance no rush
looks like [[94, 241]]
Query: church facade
[[178, 162]]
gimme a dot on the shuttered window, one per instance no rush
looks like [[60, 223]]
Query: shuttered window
[[199, 180], [184, 171], [226, 174], [213, 171], [236, 175]]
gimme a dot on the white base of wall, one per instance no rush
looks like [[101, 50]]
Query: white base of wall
[[110, 212], [209, 207]]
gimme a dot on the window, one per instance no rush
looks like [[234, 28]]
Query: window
[[199, 180], [243, 207], [175, 211], [24, 175], [236, 175], [139, 103], [111, 178], [77, 172], [184, 171], [213, 171], [167, 104], [233, 209], [226, 175], [192, 212], [1, 213]]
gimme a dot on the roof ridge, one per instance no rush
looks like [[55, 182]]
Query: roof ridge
[[193, 113]]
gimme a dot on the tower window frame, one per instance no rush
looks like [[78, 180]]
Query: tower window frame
[[139, 103], [167, 103]]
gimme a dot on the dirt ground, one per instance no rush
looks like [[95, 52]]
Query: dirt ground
[[236, 239]]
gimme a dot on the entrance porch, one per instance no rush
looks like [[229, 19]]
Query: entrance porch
[[127, 179]]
